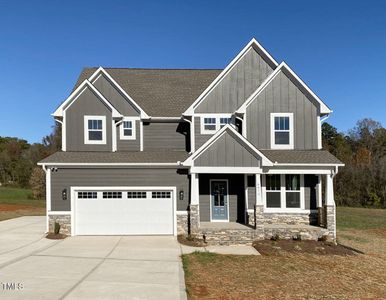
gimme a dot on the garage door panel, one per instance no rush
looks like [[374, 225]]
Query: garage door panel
[[124, 216]]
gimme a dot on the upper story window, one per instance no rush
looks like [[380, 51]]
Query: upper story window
[[211, 123], [94, 129], [282, 131], [128, 129]]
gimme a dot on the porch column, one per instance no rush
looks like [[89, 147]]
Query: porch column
[[194, 210], [329, 207], [319, 204], [259, 206]]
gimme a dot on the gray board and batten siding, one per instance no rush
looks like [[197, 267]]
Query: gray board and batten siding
[[241, 81], [129, 145], [65, 178], [115, 97], [226, 151], [166, 135], [86, 104], [282, 95]]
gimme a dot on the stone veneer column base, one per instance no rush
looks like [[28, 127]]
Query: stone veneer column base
[[194, 219], [63, 220], [329, 220], [182, 223]]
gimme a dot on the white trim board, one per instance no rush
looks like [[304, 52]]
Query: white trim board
[[133, 121], [323, 109], [87, 140], [221, 76], [291, 130], [78, 91], [189, 161], [99, 71]]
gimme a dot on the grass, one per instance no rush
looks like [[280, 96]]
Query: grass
[[299, 275], [17, 202]]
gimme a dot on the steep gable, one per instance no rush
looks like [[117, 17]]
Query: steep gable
[[238, 84]]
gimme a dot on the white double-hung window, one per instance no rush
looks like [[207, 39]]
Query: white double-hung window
[[211, 123], [95, 129], [282, 131], [128, 129]]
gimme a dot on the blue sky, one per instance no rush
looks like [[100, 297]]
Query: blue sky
[[337, 47]]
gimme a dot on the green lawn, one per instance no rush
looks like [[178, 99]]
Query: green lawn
[[19, 196], [360, 218]]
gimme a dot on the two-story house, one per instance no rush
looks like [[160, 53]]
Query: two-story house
[[171, 151]]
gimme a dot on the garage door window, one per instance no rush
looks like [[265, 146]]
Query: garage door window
[[112, 195], [87, 195], [161, 195], [136, 195]]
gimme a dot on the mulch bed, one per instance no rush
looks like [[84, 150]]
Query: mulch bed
[[269, 248], [191, 241], [53, 236]]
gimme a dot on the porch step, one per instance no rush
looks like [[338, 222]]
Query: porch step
[[214, 236]]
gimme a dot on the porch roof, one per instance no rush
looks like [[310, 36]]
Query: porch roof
[[301, 157]]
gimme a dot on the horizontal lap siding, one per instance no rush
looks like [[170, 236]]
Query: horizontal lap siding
[[65, 178], [200, 139], [166, 136], [86, 104], [129, 145], [241, 81], [236, 196], [282, 95]]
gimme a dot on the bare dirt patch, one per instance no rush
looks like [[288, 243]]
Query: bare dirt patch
[[14, 207], [269, 248], [53, 236], [191, 241]]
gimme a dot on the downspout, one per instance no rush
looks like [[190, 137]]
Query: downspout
[[192, 144]]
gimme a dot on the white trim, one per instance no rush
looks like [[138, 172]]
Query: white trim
[[73, 189], [265, 161], [222, 75], [259, 198], [75, 95], [181, 213], [310, 165], [217, 123], [210, 199], [133, 121], [298, 171], [113, 136], [93, 78], [319, 131], [194, 189], [224, 170], [64, 133], [87, 141], [192, 136], [56, 212], [291, 131], [48, 196], [319, 192], [246, 190], [109, 164], [324, 109], [140, 135]]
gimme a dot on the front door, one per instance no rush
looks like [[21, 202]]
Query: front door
[[219, 200]]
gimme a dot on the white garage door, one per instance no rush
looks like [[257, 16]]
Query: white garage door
[[124, 212]]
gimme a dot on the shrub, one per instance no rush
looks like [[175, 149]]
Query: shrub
[[56, 228], [38, 183]]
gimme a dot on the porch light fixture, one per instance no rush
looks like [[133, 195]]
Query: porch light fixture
[[64, 194], [181, 195]]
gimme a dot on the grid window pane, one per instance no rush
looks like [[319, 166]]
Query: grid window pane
[[128, 132], [281, 138], [292, 199], [281, 123], [158, 195], [224, 121], [95, 135], [273, 182], [112, 195], [292, 182], [210, 123], [136, 195], [87, 195], [273, 199]]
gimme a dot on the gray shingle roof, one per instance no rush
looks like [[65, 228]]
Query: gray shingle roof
[[116, 157], [160, 92], [301, 156]]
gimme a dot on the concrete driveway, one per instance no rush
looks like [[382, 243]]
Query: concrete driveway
[[87, 267]]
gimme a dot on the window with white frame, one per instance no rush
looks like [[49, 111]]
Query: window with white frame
[[211, 123], [282, 131], [284, 192], [273, 191], [128, 129], [292, 190], [94, 129]]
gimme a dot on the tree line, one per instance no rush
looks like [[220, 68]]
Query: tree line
[[362, 182]]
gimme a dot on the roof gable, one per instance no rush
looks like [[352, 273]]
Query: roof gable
[[284, 68], [228, 148], [230, 72]]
